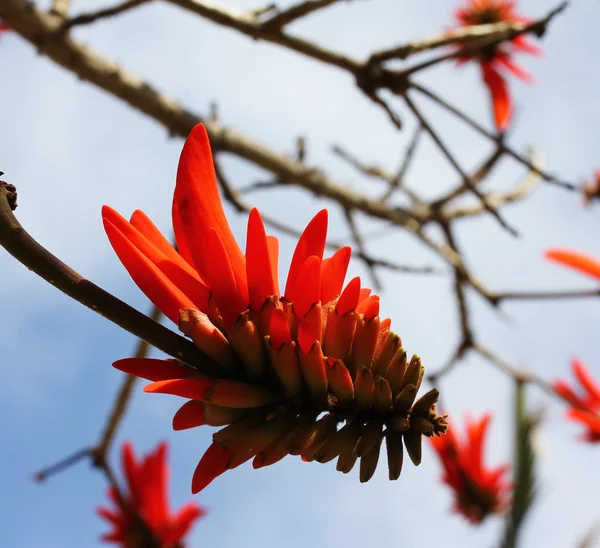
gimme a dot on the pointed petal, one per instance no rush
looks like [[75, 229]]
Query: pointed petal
[[153, 283], [181, 523], [152, 369], [190, 415], [197, 208], [258, 262], [333, 273], [311, 242], [273, 244], [145, 226], [349, 298], [187, 282], [573, 259], [220, 276], [519, 72], [501, 102], [307, 290], [587, 381], [212, 464], [279, 330], [186, 388]]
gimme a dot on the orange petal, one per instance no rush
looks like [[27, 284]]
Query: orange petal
[[186, 388], [333, 272], [145, 226], [238, 395], [184, 277], [213, 463], [154, 284], [573, 259], [197, 209], [258, 262], [273, 244], [349, 298], [220, 276], [189, 415], [311, 242], [369, 307], [501, 102], [279, 330], [587, 381], [307, 290], [152, 369]]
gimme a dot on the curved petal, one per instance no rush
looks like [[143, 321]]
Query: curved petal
[[333, 273], [197, 209], [273, 244], [182, 522], [221, 278], [311, 242], [145, 226], [154, 284], [501, 102], [190, 415], [152, 369], [259, 269], [573, 259], [349, 298], [213, 463], [308, 286]]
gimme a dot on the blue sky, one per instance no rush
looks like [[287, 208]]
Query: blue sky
[[70, 148]]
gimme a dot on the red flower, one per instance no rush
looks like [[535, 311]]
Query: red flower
[[277, 361], [585, 407], [145, 509], [3, 27], [496, 59], [478, 491], [576, 260]]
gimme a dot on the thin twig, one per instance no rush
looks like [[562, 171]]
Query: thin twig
[[450, 157], [360, 246], [493, 137], [544, 295], [295, 12], [93, 16], [123, 396]]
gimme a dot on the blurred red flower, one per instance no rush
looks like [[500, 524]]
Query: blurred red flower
[[575, 260], [145, 511], [478, 491], [586, 406], [494, 60]]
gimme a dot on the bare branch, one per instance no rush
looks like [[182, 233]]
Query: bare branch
[[295, 12], [466, 179], [60, 8], [360, 246], [544, 295], [493, 137], [499, 199], [93, 16]]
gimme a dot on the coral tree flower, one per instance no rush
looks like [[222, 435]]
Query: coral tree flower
[[496, 59], [281, 359], [585, 407], [478, 491], [575, 260], [143, 518]]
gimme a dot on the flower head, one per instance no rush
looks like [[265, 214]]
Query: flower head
[[478, 491], [575, 260], [277, 360], [586, 405], [143, 511], [496, 59]]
